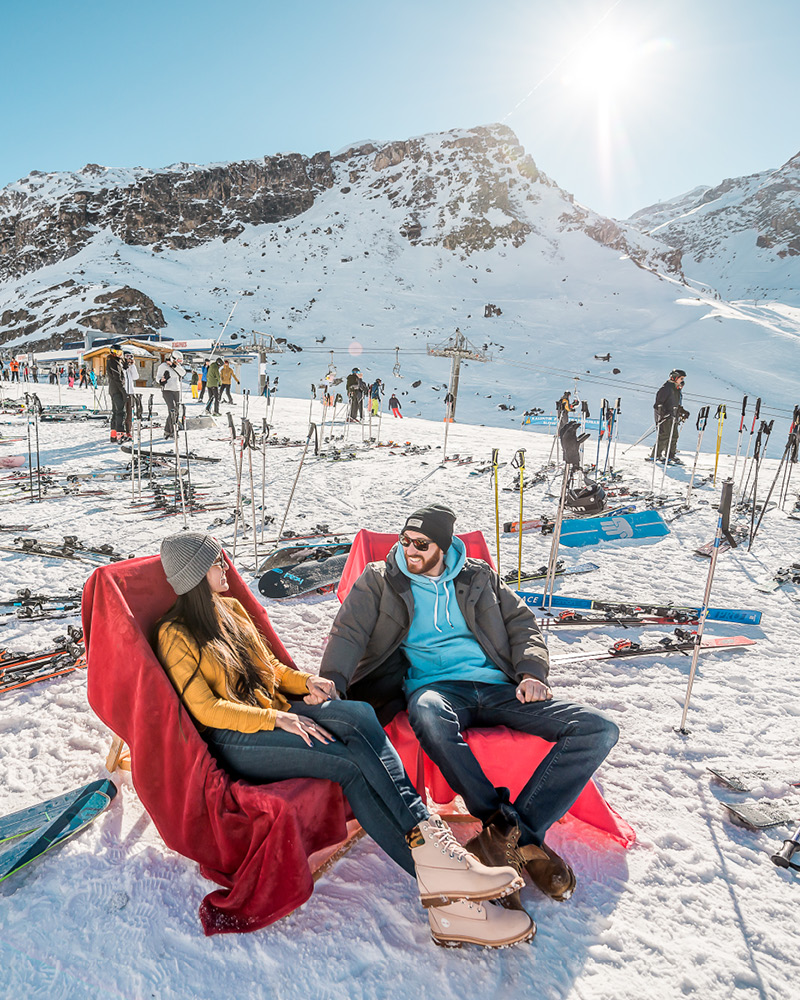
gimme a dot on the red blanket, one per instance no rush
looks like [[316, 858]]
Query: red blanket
[[253, 840]]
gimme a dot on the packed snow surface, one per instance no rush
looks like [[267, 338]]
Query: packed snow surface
[[695, 908]]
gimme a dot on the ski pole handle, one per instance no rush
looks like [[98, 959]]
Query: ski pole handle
[[783, 858]]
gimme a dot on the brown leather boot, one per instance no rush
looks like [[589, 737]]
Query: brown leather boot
[[496, 844], [549, 873]]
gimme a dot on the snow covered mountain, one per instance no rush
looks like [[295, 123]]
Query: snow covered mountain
[[741, 237], [374, 253]]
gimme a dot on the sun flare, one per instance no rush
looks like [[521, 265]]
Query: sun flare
[[605, 66]]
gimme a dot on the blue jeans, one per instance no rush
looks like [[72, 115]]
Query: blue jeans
[[582, 737], [362, 761]]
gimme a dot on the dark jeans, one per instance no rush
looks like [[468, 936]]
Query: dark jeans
[[362, 761], [173, 400], [226, 390], [213, 399], [117, 411], [582, 738]]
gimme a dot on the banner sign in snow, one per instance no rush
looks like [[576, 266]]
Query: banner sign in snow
[[591, 530], [543, 420], [742, 616]]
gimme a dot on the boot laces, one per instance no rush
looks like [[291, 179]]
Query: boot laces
[[442, 835]]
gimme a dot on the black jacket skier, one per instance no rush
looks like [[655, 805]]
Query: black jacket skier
[[669, 413]]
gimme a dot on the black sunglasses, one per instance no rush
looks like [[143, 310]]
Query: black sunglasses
[[420, 544]]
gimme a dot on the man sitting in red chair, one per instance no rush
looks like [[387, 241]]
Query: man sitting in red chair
[[434, 631]]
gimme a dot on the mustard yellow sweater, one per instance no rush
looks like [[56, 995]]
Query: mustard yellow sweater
[[207, 697]]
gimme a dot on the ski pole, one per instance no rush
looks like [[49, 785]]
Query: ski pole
[[723, 529], [311, 401], [265, 428], [37, 409], [518, 462], [249, 440], [495, 467], [245, 403], [618, 409], [789, 466], [311, 430], [639, 440], [30, 454], [188, 463], [783, 857], [749, 442], [178, 475], [139, 410], [739, 439], [611, 429], [584, 417], [603, 417], [791, 445], [673, 425], [150, 421], [239, 469], [702, 421], [659, 422], [552, 563], [762, 437], [721, 414]]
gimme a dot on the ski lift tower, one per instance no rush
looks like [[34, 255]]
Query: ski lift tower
[[265, 344], [458, 349]]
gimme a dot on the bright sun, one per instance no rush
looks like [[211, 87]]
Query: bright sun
[[604, 67]]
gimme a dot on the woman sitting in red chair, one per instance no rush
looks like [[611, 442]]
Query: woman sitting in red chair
[[265, 721]]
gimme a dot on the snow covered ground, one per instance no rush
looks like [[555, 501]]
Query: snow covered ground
[[694, 909]]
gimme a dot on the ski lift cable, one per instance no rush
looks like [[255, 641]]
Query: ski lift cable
[[618, 383]]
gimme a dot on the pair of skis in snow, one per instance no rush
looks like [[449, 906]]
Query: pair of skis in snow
[[29, 833]]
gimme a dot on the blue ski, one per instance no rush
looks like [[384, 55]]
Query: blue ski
[[741, 616]]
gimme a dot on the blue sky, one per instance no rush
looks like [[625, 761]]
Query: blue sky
[[622, 102]]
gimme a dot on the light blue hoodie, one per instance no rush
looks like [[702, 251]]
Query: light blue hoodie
[[439, 645]]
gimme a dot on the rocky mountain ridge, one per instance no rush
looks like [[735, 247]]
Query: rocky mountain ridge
[[741, 237], [465, 191]]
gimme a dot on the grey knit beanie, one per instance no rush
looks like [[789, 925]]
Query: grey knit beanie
[[187, 558]]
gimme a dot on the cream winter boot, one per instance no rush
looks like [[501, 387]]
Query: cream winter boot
[[472, 923], [446, 871]]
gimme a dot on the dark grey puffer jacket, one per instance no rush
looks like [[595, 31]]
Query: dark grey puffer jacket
[[363, 656]]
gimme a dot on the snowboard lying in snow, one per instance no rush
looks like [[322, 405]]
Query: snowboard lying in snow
[[293, 581], [294, 555]]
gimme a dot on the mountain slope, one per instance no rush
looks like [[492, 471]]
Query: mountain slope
[[741, 237], [383, 248]]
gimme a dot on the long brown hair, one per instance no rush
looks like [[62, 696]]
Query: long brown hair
[[214, 628]]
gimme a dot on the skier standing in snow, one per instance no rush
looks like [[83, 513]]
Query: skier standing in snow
[[226, 373], [669, 414], [441, 634], [394, 405], [168, 376], [213, 382], [375, 391], [267, 721], [355, 394], [202, 380], [116, 390]]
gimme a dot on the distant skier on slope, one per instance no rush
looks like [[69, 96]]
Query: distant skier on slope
[[394, 405], [669, 414]]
